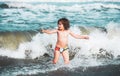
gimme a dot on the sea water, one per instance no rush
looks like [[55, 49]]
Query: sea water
[[25, 51]]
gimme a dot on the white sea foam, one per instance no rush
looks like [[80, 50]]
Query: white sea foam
[[36, 47], [51, 7], [98, 39], [108, 41], [58, 0]]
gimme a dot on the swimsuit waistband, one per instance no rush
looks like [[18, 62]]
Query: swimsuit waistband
[[61, 49]]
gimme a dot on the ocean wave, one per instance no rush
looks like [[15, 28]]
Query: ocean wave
[[44, 15], [4, 6], [98, 35], [35, 50], [60, 0], [10, 5], [52, 6]]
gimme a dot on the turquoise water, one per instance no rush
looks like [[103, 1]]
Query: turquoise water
[[33, 16], [25, 51]]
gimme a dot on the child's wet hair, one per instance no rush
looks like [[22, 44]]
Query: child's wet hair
[[65, 23]]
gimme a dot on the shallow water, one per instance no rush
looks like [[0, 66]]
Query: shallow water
[[22, 67]]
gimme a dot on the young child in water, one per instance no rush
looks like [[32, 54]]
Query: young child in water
[[62, 39]]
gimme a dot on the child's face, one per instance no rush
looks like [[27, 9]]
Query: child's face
[[60, 26]]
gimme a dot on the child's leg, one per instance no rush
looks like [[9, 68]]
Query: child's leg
[[56, 57], [65, 55]]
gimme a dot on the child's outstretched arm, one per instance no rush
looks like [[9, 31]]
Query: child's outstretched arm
[[78, 36], [49, 31]]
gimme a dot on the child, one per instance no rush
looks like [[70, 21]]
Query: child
[[62, 39]]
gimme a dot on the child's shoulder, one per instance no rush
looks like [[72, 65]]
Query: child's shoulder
[[68, 30]]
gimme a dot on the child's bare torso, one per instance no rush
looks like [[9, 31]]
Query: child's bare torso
[[62, 38]]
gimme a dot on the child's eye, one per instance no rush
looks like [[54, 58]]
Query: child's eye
[[60, 24]]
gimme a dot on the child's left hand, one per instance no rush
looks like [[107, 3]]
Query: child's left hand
[[41, 31]]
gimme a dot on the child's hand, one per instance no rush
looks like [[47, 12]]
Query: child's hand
[[86, 37], [41, 31]]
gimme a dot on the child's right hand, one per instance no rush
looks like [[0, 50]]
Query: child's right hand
[[41, 31], [86, 37]]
